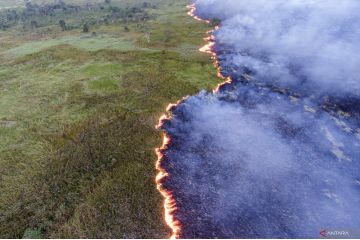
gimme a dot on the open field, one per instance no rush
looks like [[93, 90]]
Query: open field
[[77, 117]]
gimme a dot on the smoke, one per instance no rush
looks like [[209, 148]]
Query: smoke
[[302, 44], [249, 164], [276, 152]]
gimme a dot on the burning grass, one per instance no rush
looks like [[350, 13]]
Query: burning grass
[[77, 130]]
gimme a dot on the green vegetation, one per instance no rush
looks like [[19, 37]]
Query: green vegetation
[[33, 234], [77, 117], [215, 22], [70, 16]]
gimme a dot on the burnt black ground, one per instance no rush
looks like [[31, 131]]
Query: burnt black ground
[[318, 188]]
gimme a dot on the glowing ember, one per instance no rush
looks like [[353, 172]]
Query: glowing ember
[[169, 202]]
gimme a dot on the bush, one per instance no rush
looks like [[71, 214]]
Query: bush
[[32, 234], [215, 22], [62, 25], [85, 28]]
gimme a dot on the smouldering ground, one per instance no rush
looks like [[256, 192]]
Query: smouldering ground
[[77, 117], [274, 151]]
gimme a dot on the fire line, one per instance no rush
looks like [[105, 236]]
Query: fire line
[[169, 200]]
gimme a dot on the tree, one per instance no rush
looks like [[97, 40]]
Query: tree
[[28, 3], [34, 24], [215, 22], [62, 24], [85, 28], [146, 5]]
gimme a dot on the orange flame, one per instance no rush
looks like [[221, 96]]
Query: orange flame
[[191, 13], [170, 202], [209, 49]]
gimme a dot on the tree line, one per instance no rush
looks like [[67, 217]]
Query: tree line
[[34, 15]]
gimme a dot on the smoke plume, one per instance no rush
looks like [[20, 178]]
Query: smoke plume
[[311, 44], [276, 152]]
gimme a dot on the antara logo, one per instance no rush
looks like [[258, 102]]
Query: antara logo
[[323, 233], [326, 233]]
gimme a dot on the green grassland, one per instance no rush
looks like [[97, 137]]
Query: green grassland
[[77, 117]]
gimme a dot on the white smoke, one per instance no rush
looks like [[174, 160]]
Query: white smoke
[[254, 162], [275, 169], [288, 41]]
